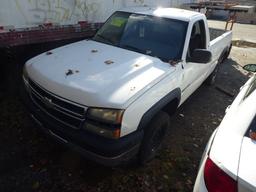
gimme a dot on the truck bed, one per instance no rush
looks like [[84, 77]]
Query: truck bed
[[215, 33], [220, 42]]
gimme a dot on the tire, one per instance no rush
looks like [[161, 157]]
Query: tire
[[228, 52], [212, 78], [153, 137]]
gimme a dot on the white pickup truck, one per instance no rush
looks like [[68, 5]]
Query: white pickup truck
[[110, 97]]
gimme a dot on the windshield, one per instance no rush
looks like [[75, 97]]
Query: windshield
[[155, 36]]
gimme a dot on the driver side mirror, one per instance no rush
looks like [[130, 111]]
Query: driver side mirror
[[201, 56], [250, 68]]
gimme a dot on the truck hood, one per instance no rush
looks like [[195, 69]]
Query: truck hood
[[96, 74]]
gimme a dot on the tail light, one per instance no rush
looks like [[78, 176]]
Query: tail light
[[216, 180]]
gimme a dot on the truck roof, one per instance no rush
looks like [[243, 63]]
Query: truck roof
[[171, 13]]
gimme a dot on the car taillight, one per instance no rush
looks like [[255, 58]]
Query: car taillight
[[216, 180]]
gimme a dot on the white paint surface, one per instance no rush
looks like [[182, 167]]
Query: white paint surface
[[247, 168]]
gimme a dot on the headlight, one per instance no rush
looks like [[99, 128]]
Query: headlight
[[108, 132], [104, 122], [112, 116]]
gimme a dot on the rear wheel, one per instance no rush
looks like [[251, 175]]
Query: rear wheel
[[228, 52], [212, 78], [154, 136]]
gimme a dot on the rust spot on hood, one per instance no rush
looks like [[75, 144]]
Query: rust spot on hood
[[71, 72], [132, 88], [94, 51], [109, 62]]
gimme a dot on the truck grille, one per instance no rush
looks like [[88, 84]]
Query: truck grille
[[64, 111]]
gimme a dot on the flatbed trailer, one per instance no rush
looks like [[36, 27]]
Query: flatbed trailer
[[47, 33]]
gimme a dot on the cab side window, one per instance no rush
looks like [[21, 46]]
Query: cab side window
[[197, 38]]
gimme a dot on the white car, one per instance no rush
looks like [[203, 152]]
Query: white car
[[228, 163]]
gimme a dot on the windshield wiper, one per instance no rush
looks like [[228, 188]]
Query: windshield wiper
[[173, 62], [147, 52], [104, 38], [132, 48]]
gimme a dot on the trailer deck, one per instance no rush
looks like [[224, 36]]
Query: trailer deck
[[46, 33]]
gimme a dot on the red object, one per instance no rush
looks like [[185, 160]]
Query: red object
[[83, 23], [253, 135], [34, 35], [47, 24], [1, 28], [216, 180]]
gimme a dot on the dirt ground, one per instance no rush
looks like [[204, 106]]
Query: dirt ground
[[29, 161]]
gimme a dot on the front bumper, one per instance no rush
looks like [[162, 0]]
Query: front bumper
[[109, 152]]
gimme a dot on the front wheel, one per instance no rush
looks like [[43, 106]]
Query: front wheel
[[154, 135]]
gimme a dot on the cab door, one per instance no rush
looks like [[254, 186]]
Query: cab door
[[194, 73]]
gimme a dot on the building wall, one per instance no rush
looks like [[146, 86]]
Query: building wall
[[28, 13]]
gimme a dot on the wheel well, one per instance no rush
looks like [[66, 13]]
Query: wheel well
[[168, 104], [224, 55], [171, 107]]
